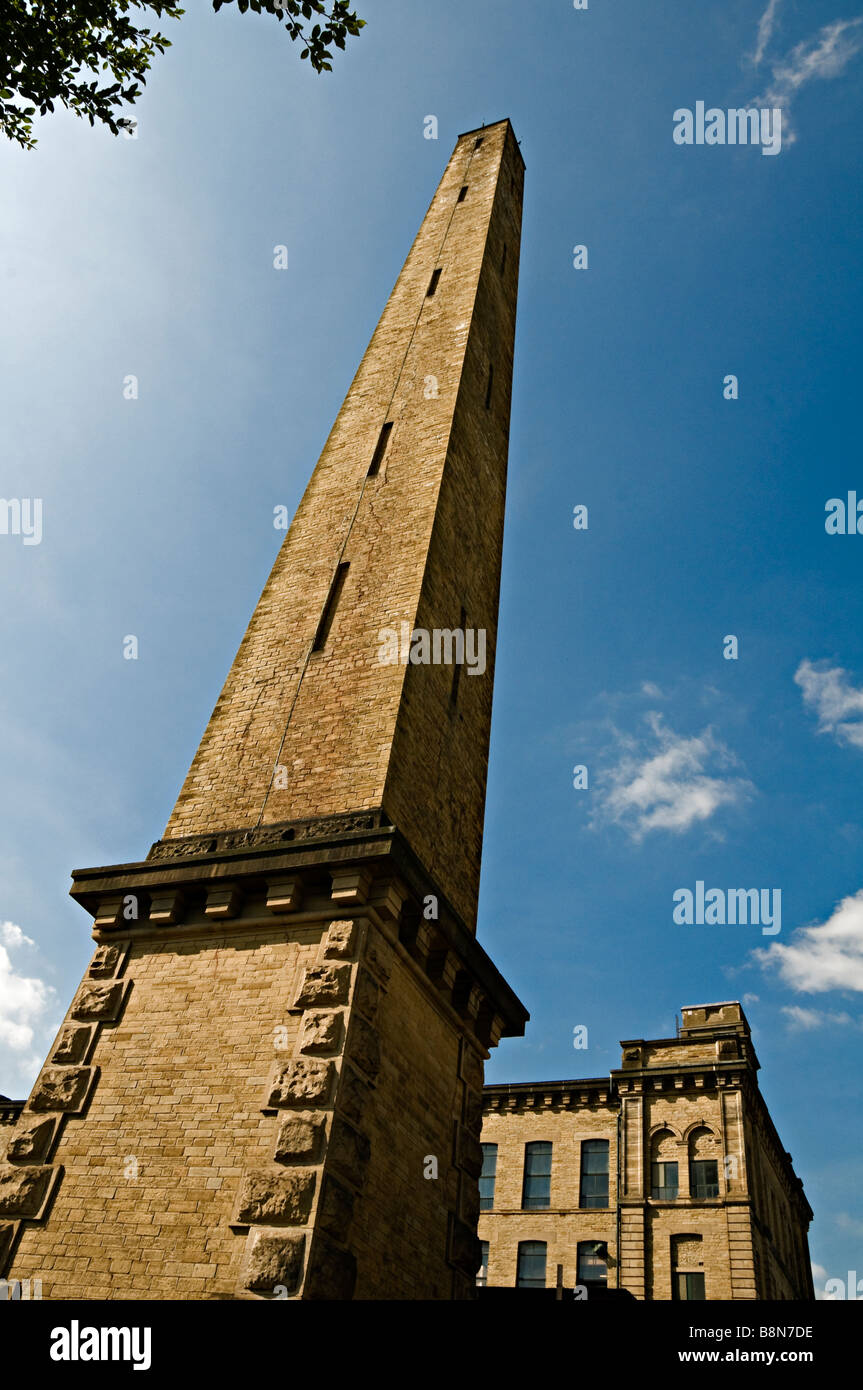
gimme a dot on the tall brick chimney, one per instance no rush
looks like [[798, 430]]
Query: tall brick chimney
[[269, 1082]]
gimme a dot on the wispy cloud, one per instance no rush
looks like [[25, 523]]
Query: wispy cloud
[[829, 692], [766, 25], [24, 1002], [824, 56], [828, 955], [666, 781], [846, 1222], [806, 1020]]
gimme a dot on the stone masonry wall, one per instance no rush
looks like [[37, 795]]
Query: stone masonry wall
[[152, 1166]]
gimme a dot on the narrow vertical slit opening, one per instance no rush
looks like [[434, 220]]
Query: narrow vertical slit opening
[[433, 283], [380, 450], [462, 194], [503, 259], [330, 607], [456, 675], [478, 141], [490, 385]]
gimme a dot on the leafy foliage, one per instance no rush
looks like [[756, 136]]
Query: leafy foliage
[[339, 24], [53, 51]]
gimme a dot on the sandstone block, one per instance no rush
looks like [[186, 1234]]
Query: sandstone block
[[332, 1273], [274, 1197], [321, 1031], [30, 1141], [72, 1045], [353, 1095], [300, 1137], [23, 1190], [335, 1209], [364, 1048], [98, 1001], [105, 961], [273, 1260], [305, 1081], [340, 940], [366, 995], [349, 1150], [62, 1088], [324, 984]]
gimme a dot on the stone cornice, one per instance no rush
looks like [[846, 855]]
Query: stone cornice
[[303, 872]]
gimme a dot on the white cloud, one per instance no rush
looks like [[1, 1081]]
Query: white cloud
[[766, 25], [664, 783], [829, 692], [828, 955], [849, 1223], [12, 936], [807, 1019], [24, 1002], [819, 58], [751, 998]]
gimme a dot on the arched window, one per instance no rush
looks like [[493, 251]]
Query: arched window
[[592, 1263], [536, 1191], [531, 1264], [663, 1167], [703, 1164]]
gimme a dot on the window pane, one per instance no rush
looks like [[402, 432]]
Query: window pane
[[487, 1177], [594, 1156], [536, 1191], [594, 1173], [663, 1185], [531, 1265], [593, 1262], [689, 1286], [704, 1177], [482, 1272]]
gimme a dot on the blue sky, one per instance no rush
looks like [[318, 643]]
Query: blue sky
[[154, 257]]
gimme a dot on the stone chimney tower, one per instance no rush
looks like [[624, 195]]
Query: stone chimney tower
[[269, 1082]]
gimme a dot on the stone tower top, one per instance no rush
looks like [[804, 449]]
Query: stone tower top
[[698, 1018]]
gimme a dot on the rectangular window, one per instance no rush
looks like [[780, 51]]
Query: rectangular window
[[592, 1263], [536, 1189], [530, 1273], [462, 194], [433, 283], [478, 141], [687, 1287], [482, 1272], [489, 386], [330, 606], [378, 456], [487, 1176], [704, 1177], [594, 1173], [663, 1181]]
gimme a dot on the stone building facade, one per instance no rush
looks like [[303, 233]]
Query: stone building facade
[[283, 1027], [666, 1178]]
